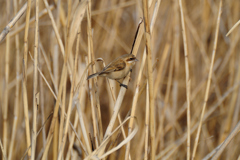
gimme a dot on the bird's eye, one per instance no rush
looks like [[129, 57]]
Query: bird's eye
[[131, 59]]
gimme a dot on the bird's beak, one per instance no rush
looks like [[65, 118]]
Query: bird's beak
[[136, 60]]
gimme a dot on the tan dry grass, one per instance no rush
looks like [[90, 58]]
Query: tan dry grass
[[72, 35]]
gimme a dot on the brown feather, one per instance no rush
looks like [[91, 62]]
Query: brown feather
[[114, 67]]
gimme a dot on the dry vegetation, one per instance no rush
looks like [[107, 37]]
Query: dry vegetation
[[183, 96]]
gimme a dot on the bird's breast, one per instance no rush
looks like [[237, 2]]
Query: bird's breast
[[116, 75]]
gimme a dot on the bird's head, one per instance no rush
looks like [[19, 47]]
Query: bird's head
[[130, 59]]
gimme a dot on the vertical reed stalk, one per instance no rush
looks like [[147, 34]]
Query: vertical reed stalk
[[91, 88], [135, 98], [24, 83], [187, 79], [146, 124], [16, 101], [5, 100], [35, 84], [150, 77], [67, 52], [208, 82]]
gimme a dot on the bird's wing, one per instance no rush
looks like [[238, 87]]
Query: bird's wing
[[120, 65]]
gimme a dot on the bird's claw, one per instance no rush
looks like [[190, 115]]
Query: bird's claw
[[123, 85]]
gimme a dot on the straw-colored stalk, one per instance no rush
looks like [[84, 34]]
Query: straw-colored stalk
[[173, 147], [204, 54], [31, 21], [135, 98], [234, 26], [188, 87], [208, 82], [146, 124], [91, 88], [57, 137], [67, 52], [5, 100], [24, 85], [3, 151], [75, 72], [59, 40], [150, 77], [227, 141], [35, 84], [16, 103], [41, 89], [10, 25], [76, 22]]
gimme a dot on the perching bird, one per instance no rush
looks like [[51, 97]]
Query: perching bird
[[118, 68]]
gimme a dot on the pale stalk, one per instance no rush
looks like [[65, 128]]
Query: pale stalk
[[208, 82], [93, 89], [187, 79], [150, 77], [16, 101], [135, 98], [35, 84], [5, 96], [146, 124], [24, 80]]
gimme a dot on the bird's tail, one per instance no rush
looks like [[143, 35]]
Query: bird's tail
[[92, 75]]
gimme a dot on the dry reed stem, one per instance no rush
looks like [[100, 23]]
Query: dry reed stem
[[76, 115], [59, 40], [35, 84], [93, 91], [160, 70], [209, 155], [5, 97], [54, 81], [226, 142], [31, 21], [234, 26], [166, 102], [42, 108], [135, 98], [180, 141], [125, 141], [16, 104], [188, 87], [3, 151], [81, 8], [72, 137], [68, 52], [204, 55], [17, 16], [208, 82], [146, 124], [150, 77], [44, 78], [232, 105], [80, 114], [24, 80], [97, 152]]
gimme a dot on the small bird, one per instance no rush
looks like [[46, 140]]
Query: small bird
[[118, 68]]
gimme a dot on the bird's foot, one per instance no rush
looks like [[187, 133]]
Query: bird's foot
[[131, 70], [123, 85]]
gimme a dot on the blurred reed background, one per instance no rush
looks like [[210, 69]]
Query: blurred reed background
[[73, 34]]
